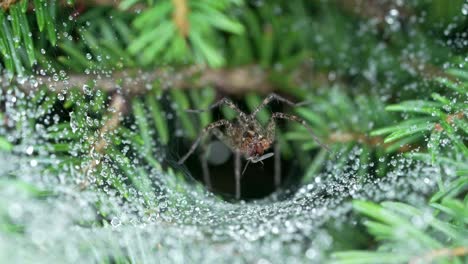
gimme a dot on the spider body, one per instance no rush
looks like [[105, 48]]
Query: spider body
[[246, 137], [249, 137]]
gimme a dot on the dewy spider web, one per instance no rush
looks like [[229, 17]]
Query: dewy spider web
[[187, 224], [152, 212], [64, 200]]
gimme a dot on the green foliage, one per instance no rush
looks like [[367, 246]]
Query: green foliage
[[203, 20], [5, 145], [102, 42], [374, 83], [329, 116], [444, 117], [409, 234], [17, 47]]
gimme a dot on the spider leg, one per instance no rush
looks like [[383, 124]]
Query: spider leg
[[245, 167], [204, 163], [237, 168], [261, 158], [206, 130], [224, 101], [223, 138], [204, 158], [219, 134], [277, 165], [270, 98], [301, 121]]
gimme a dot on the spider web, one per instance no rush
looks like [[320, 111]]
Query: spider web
[[184, 223]]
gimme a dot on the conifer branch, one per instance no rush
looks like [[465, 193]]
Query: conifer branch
[[435, 254], [180, 17], [115, 112], [5, 4], [232, 81]]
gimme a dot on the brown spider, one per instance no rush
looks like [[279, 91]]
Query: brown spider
[[245, 136]]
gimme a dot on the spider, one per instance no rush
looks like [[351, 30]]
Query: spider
[[246, 137]]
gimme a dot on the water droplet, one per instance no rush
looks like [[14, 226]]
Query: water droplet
[[115, 222], [30, 150], [87, 90], [33, 163], [465, 9]]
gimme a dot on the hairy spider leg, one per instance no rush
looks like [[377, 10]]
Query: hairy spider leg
[[245, 167], [223, 101], [203, 159], [223, 138], [270, 130], [237, 167], [204, 163], [278, 115], [277, 165], [268, 100], [206, 130], [219, 134]]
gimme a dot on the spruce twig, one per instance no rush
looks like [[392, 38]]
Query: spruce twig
[[438, 253], [233, 81], [115, 110]]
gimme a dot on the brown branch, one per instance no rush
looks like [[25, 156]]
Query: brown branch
[[115, 111], [444, 252], [427, 70], [346, 137], [371, 9], [449, 119], [133, 82], [180, 17], [5, 4]]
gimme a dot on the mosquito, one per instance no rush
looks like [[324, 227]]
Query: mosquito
[[247, 138]]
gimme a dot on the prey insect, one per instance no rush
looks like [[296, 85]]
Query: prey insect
[[247, 138]]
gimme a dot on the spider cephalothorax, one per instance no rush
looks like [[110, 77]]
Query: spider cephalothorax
[[253, 140], [245, 136]]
